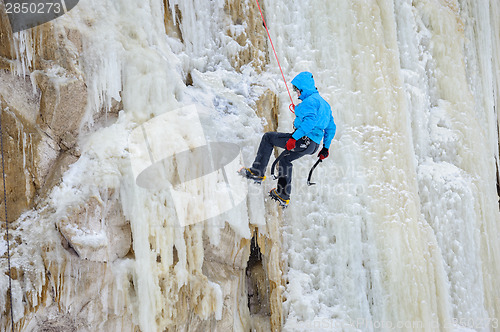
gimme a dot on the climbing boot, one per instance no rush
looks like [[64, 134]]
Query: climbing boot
[[274, 195], [247, 173]]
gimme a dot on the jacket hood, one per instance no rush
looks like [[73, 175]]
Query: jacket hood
[[305, 83]]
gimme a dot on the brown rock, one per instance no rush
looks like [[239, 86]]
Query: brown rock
[[97, 230]]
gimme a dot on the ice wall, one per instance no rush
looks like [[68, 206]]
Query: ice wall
[[409, 235], [400, 233]]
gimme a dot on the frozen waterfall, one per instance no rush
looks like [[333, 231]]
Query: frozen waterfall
[[401, 232]]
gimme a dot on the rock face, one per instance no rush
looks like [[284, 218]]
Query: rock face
[[75, 257], [43, 107]]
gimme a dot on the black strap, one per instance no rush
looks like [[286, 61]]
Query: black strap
[[309, 183], [284, 153]]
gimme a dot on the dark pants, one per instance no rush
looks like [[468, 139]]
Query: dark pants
[[272, 139]]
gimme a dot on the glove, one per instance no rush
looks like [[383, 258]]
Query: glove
[[290, 144], [323, 153]]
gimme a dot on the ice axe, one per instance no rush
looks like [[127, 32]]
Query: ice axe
[[309, 183]]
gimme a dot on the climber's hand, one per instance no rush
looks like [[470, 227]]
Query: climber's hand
[[323, 153]]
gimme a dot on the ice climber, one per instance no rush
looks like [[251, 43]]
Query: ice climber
[[313, 122]]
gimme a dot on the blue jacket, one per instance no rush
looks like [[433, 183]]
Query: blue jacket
[[313, 116]]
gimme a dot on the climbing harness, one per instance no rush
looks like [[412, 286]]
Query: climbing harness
[[6, 226], [306, 142], [292, 105]]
